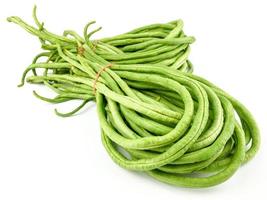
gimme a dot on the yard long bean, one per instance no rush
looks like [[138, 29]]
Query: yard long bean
[[155, 116]]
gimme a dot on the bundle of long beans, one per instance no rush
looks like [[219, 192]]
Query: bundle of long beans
[[155, 116]]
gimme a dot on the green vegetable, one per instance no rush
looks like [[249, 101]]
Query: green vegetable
[[155, 116]]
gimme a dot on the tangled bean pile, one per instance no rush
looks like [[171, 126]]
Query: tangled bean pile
[[155, 116]]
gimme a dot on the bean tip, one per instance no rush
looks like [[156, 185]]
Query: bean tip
[[35, 93], [20, 85], [9, 19]]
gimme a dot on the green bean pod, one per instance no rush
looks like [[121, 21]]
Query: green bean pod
[[155, 116]]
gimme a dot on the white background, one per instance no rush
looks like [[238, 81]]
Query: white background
[[43, 156]]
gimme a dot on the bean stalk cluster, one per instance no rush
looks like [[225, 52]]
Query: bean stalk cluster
[[155, 115]]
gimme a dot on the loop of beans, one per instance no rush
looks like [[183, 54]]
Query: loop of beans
[[155, 115]]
